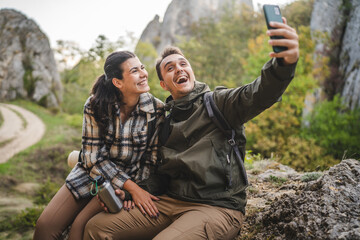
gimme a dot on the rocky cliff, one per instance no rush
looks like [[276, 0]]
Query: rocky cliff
[[178, 19], [341, 21], [27, 64]]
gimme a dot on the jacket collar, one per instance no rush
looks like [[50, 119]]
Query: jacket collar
[[199, 89]]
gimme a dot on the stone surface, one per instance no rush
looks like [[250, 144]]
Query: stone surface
[[341, 22], [27, 64], [350, 57], [178, 19], [327, 208]]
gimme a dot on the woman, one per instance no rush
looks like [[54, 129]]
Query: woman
[[116, 144]]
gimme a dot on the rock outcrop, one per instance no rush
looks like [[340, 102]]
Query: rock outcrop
[[178, 19], [326, 208], [341, 21], [27, 64]]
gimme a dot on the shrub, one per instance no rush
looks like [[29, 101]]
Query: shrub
[[277, 180], [335, 128], [46, 193], [312, 176], [22, 221]]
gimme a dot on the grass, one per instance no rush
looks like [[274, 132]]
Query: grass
[[311, 176], [37, 162], [43, 163], [277, 180]]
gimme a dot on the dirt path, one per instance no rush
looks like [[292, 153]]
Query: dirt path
[[18, 132]]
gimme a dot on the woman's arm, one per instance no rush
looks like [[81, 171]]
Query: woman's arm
[[96, 153]]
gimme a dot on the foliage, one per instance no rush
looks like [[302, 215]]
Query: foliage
[[277, 180], [66, 53], [250, 157], [74, 120], [48, 157], [335, 128], [298, 13], [28, 79], [311, 176], [79, 80], [218, 45], [278, 129], [22, 221], [46, 192]]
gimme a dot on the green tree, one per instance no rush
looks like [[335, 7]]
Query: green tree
[[336, 128], [298, 13], [218, 45], [79, 80]]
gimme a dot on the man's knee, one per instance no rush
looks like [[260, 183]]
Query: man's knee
[[93, 231]]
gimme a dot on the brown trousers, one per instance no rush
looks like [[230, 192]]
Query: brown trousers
[[62, 211], [177, 220]]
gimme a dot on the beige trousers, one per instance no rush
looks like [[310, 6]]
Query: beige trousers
[[62, 211], [177, 220]]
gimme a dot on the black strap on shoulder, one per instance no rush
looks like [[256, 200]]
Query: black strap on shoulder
[[152, 124], [165, 130], [219, 120]]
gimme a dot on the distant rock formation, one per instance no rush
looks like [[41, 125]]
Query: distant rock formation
[[27, 64], [341, 20], [178, 19]]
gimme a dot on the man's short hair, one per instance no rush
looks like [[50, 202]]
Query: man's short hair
[[166, 52]]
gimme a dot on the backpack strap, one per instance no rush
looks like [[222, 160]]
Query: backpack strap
[[219, 120], [151, 122]]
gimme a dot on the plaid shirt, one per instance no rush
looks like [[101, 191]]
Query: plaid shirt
[[123, 153]]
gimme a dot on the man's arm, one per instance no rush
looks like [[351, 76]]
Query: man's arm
[[241, 104]]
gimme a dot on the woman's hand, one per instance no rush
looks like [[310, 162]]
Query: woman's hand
[[142, 199], [129, 205], [291, 41]]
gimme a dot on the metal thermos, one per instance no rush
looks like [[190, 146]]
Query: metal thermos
[[107, 195]]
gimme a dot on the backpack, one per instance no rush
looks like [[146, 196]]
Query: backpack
[[219, 120]]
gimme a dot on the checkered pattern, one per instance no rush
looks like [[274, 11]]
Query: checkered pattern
[[123, 153]]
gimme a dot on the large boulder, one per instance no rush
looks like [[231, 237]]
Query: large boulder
[[326, 208], [27, 64], [179, 18], [341, 21], [350, 57]]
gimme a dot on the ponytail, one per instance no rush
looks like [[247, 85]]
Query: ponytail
[[105, 94]]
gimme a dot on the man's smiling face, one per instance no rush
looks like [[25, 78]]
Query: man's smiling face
[[178, 76]]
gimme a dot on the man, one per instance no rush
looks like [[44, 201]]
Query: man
[[206, 196]]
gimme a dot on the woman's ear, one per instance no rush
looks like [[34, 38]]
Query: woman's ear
[[117, 83]]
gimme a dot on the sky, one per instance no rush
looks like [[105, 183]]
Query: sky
[[82, 21]]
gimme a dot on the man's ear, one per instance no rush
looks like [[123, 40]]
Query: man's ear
[[163, 85], [117, 83]]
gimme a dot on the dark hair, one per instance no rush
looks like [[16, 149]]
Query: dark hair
[[166, 52], [105, 94]]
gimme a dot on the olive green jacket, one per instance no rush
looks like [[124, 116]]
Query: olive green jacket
[[194, 155]]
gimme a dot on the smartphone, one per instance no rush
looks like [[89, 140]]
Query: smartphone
[[272, 14]]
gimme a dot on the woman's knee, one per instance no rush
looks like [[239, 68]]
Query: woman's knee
[[46, 229]]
